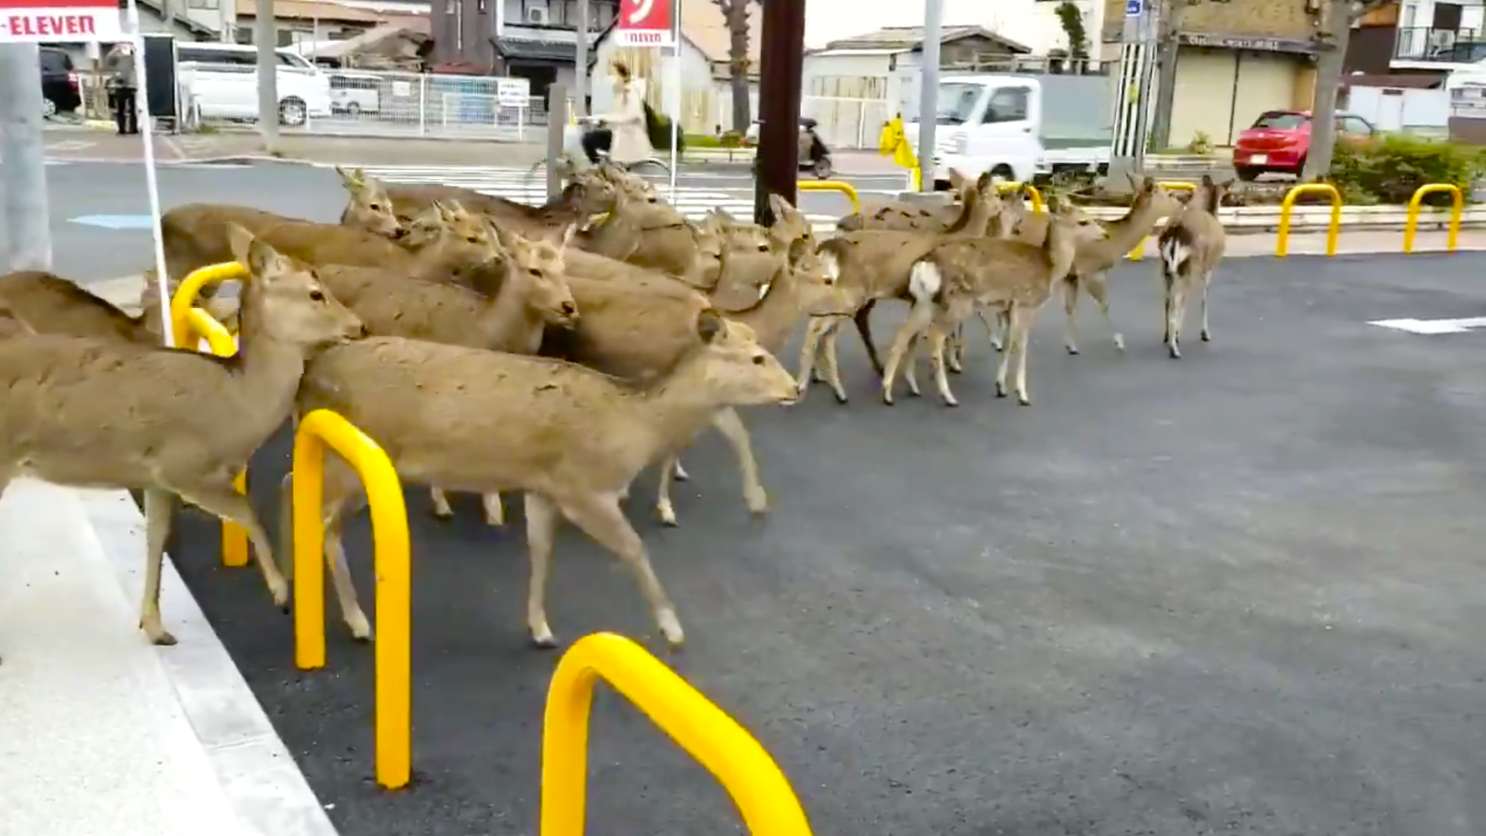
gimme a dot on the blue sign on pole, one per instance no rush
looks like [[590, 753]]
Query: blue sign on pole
[[1133, 8]]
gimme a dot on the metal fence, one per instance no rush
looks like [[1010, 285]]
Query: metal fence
[[847, 122], [380, 104]]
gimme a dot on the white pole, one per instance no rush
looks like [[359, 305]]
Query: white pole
[[152, 184], [676, 88], [23, 172]]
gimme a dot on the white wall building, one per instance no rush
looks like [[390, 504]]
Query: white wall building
[[1035, 23]]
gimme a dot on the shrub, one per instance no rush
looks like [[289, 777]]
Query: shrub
[[1201, 143], [1391, 168]]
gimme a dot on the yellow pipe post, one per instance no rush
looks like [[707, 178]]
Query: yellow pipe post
[[1457, 210], [1171, 186], [1282, 244], [833, 186], [393, 565], [190, 325], [758, 787]]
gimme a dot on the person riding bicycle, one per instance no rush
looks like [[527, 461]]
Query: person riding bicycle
[[624, 136]]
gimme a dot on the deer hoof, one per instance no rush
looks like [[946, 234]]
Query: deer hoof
[[1176, 353], [1206, 337], [1072, 349], [545, 642], [1119, 341], [1024, 400]]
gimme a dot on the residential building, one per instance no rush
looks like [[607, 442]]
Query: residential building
[[306, 21], [539, 42], [1235, 61], [706, 96], [853, 85]]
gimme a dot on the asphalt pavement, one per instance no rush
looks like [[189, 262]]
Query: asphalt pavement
[[1236, 593]]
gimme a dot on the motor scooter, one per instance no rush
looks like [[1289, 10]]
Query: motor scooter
[[815, 156]]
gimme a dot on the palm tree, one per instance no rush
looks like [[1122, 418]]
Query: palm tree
[[735, 12]]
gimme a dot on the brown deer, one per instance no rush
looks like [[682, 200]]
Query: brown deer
[[1191, 246], [1096, 257], [50, 304], [586, 194], [910, 217], [87, 412], [568, 437], [957, 276], [370, 207]]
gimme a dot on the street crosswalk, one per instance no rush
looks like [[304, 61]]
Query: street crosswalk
[[528, 185]]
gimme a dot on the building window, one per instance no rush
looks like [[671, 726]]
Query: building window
[[203, 4], [286, 37], [244, 34]]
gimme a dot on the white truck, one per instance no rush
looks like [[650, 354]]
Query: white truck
[[1023, 128]]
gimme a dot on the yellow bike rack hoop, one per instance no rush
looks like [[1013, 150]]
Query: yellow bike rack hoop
[[1287, 206], [833, 186], [1416, 203], [318, 431], [1038, 204], [763, 795], [190, 325]]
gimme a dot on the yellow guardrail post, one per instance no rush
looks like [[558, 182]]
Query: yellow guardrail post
[[1171, 186], [393, 565], [1457, 210], [764, 797], [1282, 244], [190, 325], [1038, 204], [833, 186]]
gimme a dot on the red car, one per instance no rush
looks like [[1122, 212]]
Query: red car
[[1280, 139]]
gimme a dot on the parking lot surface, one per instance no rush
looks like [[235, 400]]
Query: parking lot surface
[[1236, 593]]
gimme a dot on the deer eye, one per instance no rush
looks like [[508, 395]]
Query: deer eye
[[534, 271], [758, 359], [317, 296]]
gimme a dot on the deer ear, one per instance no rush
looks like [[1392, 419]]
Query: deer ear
[[240, 240], [798, 249], [353, 179], [709, 325]]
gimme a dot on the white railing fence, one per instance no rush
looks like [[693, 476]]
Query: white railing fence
[[846, 122], [389, 104]]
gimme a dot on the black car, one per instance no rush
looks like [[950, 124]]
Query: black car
[[59, 86]]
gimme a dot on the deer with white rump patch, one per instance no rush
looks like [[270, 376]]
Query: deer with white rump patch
[[569, 437], [1191, 245], [957, 276], [105, 414]]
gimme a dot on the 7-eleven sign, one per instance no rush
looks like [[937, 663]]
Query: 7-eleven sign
[[47, 21], [641, 23]]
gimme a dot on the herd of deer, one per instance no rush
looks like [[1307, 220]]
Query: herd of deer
[[490, 346]]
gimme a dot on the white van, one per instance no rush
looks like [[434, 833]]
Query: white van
[[354, 93], [222, 80]]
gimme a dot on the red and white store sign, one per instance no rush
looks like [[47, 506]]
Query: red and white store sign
[[43, 21], [641, 23]]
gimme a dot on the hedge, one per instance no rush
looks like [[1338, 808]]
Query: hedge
[[1391, 168]]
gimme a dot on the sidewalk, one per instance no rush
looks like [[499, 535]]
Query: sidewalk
[[101, 733]]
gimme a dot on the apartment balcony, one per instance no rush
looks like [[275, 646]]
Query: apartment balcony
[[1437, 48]]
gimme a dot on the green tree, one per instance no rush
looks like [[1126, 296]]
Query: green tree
[[1072, 21]]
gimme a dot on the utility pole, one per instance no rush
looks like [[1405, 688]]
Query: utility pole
[[1336, 34], [23, 160], [782, 49], [580, 77], [265, 35], [1167, 53], [928, 97], [1133, 94]]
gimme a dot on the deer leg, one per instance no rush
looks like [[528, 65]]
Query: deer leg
[[441, 507], [1166, 310], [1009, 340], [917, 319], [937, 340], [1207, 281], [910, 364], [663, 506], [956, 355], [681, 474], [730, 424], [541, 531], [495, 511], [1178, 314], [1021, 331], [1097, 285], [863, 320], [158, 510], [809, 347], [600, 518], [334, 512], [224, 501], [832, 368], [1070, 312]]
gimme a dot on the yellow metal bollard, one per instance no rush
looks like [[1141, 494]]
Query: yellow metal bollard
[[833, 186], [1038, 204], [190, 325], [393, 565], [1171, 186], [764, 797], [1282, 245], [1457, 210]]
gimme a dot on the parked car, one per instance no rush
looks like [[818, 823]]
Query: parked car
[[1280, 140], [353, 93], [60, 92], [222, 80]]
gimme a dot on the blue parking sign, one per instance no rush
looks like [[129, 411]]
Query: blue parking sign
[[1133, 8]]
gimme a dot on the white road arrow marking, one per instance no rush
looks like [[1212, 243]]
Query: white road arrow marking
[[1433, 326]]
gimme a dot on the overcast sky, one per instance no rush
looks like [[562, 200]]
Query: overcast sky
[[829, 20]]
